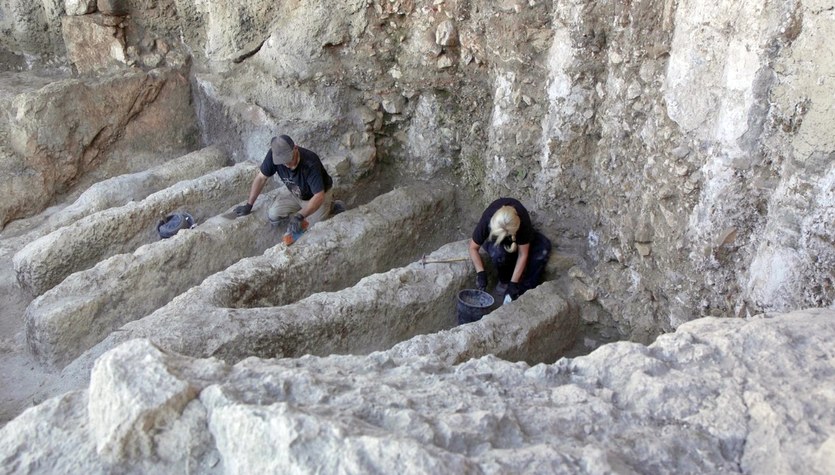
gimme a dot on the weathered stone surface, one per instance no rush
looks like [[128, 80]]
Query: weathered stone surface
[[121, 410], [638, 132], [86, 306], [206, 319], [314, 120], [122, 189], [113, 7], [537, 328], [623, 120], [225, 31], [60, 132], [446, 34], [32, 28], [95, 43], [376, 313], [716, 396], [47, 261], [79, 7], [70, 427]]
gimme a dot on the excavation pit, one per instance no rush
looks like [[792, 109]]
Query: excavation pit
[[48, 260], [74, 316], [407, 311], [86, 306]]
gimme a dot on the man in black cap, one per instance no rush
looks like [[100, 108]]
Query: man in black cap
[[302, 172]]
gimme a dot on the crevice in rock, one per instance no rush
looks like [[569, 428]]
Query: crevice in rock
[[248, 54]]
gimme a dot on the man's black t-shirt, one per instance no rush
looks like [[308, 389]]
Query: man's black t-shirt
[[309, 177], [526, 232]]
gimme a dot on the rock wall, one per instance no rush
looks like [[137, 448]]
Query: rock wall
[[31, 32], [69, 129], [683, 146]]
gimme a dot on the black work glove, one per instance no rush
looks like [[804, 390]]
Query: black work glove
[[513, 290], [243, 210], [481, 280], [295, 224]]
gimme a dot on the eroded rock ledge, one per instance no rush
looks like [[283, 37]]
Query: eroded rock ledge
[[716, 396]]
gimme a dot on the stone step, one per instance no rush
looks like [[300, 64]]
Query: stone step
[[48, 260]]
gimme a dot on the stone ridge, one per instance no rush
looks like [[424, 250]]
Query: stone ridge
[[252, 308], [716, 396], [86, 306], [45, 262], [538, 328], [118, 190]]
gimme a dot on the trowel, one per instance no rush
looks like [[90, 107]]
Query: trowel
[[230, 215]]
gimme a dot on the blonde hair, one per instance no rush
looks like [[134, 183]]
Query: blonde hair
[[504, 223]]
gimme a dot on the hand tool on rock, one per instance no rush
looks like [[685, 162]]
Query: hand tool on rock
[[295, 229], [423, 260]]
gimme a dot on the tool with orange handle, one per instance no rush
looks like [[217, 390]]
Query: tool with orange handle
[[292, 236]]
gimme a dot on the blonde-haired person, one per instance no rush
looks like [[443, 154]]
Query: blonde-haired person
[[518, 252]]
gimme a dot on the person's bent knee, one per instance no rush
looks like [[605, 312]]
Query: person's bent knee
[[277, 220]]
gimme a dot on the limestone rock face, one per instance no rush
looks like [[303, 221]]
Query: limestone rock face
[[59, 133], [113, 7], [79, 7], [716, 396], [32, 28], [689, 161], [692, 162], [95, 43], [683, 149]]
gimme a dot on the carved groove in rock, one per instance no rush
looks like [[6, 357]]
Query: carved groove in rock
[[677, 152], [48, 260]]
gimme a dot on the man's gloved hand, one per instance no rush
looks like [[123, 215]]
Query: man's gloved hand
[[513, 291], [297, 224], [481, 280], [243, 210]]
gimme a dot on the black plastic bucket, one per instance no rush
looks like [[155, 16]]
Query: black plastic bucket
[[472, 305], [173, 223]]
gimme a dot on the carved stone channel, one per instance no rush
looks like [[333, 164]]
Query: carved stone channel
[[45, 262], [332, 255]]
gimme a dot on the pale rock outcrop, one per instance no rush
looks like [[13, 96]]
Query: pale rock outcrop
[[793, 261], [121, 412], [716, 396]]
